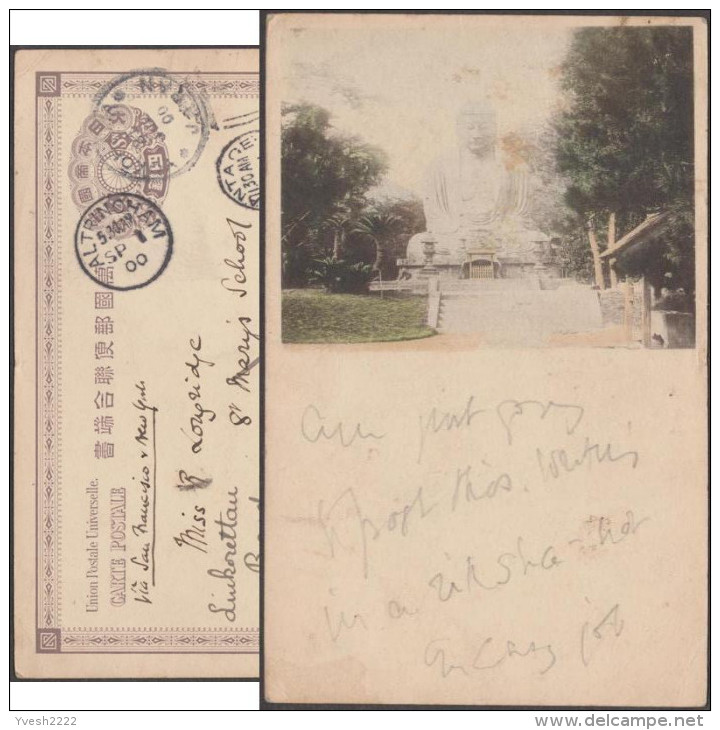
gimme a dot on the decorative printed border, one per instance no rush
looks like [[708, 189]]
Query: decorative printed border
[[50, 636], [48, 641], [48, 427], [48, 84], [243, 641], [213, 84]]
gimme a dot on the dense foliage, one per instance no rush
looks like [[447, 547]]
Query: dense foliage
[[625, 138], [325, 176], [327, 212]]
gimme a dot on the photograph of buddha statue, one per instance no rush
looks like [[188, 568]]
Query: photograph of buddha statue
[[475, 202], [509, 185]]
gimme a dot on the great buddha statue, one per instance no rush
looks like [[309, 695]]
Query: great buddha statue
[[475, 200]]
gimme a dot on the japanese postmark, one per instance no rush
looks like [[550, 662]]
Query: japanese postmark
[[177, 110]]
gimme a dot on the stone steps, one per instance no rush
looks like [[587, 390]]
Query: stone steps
[[521, 317], [483, 285]]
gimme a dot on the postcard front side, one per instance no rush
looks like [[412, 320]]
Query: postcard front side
[[136, 280], [485, 393]]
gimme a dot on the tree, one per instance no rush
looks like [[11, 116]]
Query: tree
[[359, 246], [324, 173], [340, 224], [547, 207], [381, 229], [625, 137]]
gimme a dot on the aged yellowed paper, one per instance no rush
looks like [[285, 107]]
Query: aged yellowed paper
[[486, 447], [136, 349]]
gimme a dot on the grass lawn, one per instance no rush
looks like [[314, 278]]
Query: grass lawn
[[311, 315]]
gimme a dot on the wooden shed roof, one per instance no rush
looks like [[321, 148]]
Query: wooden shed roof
[[648, 230]]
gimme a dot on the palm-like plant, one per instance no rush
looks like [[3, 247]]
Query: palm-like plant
[[340, 277], [341, 224], [380, 228]]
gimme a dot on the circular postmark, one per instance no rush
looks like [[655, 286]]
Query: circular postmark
[[123, 241], [119, 149], [238, 170], [174, 106]]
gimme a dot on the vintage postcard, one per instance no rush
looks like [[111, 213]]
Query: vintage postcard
[[136, 241], [485, 396]]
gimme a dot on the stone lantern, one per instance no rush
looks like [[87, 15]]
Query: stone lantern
[[429, 243]]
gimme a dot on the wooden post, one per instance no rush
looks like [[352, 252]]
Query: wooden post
[[629, 309], [613, 274], [611, 244], [599, 277], [646, 309]]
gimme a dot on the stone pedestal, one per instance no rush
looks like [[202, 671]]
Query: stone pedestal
[[475, 255]]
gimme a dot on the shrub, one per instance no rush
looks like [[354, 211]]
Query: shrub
[[340, 277]]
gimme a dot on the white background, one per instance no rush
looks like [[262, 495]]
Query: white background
[[140, 705]]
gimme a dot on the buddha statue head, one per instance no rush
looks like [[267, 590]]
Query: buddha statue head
[[477, 128]]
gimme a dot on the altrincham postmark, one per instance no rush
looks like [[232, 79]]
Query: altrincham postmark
[[238, 170], [176, 108], [123, 241]]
